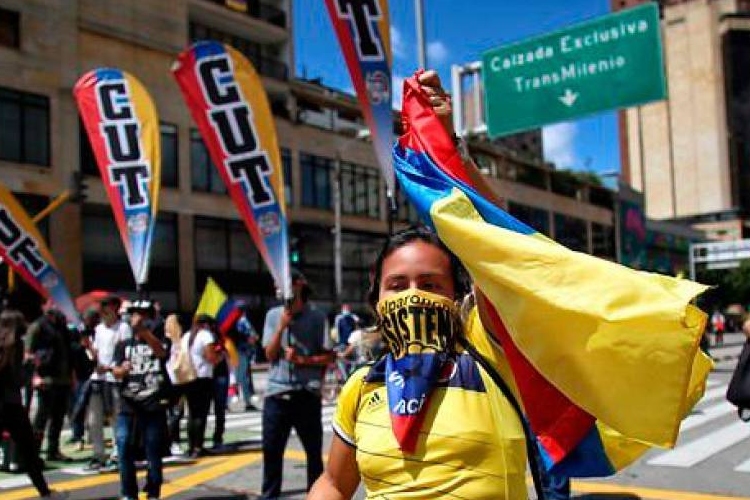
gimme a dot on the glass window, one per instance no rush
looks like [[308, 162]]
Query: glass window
[[537, 218], [211, 245], [169, 155], [24, 121], [286, 162], [603, 241], [10, 28], [360, 190], [316, 181], [571, 232]]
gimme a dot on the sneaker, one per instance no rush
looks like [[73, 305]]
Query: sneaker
[[57, 495], [56, 456], [95, 464], [176, 450], [251, 407], [110, 466]]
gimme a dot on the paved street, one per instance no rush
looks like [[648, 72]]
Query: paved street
[[710, 462]]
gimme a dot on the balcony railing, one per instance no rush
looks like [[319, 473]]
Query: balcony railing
[[258, 10]]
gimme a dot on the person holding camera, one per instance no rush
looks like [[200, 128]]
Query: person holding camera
[[297, 344], [144, 388]]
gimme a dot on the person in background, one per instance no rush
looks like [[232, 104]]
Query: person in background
[[246, 340], [104, 402], [175, 412], [201, 344], [83, 367], [13, 416], [220, 389], [297, 344], [140, 368], [50, 347], [345, 323], [718, 324]]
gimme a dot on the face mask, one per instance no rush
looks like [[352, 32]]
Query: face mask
[[418, 322], [420, 329]]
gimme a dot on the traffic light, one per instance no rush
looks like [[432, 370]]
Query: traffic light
[[78, 188], [294, 250]]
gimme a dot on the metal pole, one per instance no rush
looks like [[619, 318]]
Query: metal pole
[[419, 20], [618, 235], [337, 271], [691, 256]]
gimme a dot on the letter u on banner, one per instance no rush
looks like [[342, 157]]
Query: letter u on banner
[[24, 250], [230, 106], [363, 30], [123, 129]]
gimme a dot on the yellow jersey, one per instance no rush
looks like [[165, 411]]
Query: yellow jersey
[[471, 445]]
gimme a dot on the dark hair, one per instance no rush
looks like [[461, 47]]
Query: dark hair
[[461, 283]]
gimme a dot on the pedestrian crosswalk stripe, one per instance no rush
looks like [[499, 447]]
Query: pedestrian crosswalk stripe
[[717, 392], [743, 467], [696, 451], [707, 414]]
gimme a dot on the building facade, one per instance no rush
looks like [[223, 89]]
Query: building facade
[[689, 154], [46, 45]]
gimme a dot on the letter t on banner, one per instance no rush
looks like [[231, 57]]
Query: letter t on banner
[[362, 27]]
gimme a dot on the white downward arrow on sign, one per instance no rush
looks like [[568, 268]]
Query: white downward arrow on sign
[[569, 97]]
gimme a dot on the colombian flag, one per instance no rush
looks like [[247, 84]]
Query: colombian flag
[[605, 358], [225, 311]]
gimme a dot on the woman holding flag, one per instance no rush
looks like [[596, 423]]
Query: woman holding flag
[[465, 405]]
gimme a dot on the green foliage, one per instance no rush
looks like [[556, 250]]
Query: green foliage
[[731, 285]]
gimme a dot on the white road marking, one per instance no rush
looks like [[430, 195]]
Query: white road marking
[[696, 451]]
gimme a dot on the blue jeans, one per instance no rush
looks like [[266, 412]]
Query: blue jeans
[[243, 374], [221, 389], [150, 426]]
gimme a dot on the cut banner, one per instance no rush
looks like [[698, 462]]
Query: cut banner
[[605, 358], [123, 129], [227, 100], [363, 31], [24, 250]]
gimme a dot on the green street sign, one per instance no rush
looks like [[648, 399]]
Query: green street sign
[[611, 62]]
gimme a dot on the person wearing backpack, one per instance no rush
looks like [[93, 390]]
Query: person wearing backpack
[[144, 387], [13, 416]]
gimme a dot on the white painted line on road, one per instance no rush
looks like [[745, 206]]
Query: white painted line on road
[[705, 415], [696, 451], [15, 482], [743, 467], [717, 392], [713, 383]]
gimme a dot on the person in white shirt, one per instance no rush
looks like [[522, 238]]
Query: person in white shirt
[[104, 402], [204, 354]]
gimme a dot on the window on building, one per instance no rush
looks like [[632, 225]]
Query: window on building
[[265, 65], [105, 263], [10, 28], [225, 252], [571, 232], [204, 176], [603, 241], [85, 152], [316, 181], [537, 218], [25, 126], [360, 190], [169, 155], [405, 211], [286, 161]]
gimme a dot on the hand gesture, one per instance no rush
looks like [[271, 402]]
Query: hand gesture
[[439, 99]]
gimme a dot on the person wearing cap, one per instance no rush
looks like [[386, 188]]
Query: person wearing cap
[[297, 344], [105, 400]]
